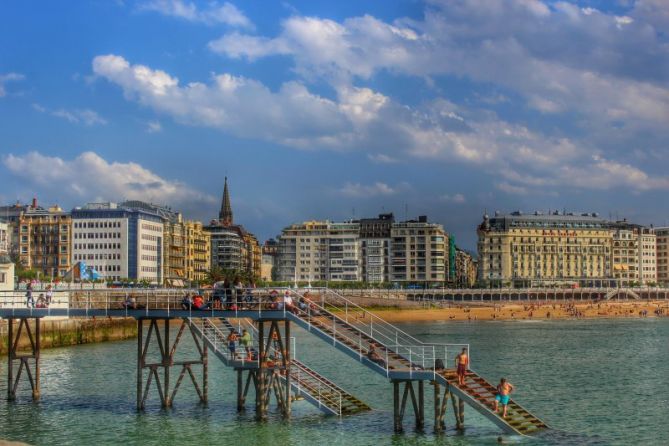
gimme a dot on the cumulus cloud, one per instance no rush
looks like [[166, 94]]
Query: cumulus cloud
[[90, 177], [359, 119], [561, 59], [227, 13], [8, 77]]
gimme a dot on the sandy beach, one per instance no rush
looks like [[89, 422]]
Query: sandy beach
[[519, 311]]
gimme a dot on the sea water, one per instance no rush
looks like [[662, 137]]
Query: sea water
[[595, 382]]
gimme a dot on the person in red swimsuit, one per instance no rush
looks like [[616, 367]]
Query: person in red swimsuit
[[462, 363]]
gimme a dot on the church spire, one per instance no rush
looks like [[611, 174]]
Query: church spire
[[225, 216]]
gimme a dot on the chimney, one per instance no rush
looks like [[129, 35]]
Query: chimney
[[34, 206]]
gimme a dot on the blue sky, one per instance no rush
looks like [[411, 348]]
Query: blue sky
[[320, 109]]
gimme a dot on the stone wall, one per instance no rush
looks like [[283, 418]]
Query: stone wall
[[66, 332]]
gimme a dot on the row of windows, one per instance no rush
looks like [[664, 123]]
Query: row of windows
[[97, 224], [149, 247], [150, 258], [149, 269], [97, 246], [150, 227], [106, 256], [151, 238], [98, 235]]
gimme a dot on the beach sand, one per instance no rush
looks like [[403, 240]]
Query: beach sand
[[527, 311]]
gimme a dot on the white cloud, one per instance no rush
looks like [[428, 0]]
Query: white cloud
[[227, 13], [90, 177], [80, 116], [457, 198], [154, 127], [358, 190], [604, 62], [8, 77], [382, 158], [360, 119], [242, 106]]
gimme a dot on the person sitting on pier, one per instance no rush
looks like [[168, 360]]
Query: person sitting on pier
[[462, 363], [504, 389], [373, 356], [130, 302], [198, 303], [186, 302], [288, 302], [41, 301]]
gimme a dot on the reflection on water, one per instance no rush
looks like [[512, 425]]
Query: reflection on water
[[596, 382]]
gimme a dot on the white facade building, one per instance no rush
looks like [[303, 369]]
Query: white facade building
[[6, 265], [119, 242]]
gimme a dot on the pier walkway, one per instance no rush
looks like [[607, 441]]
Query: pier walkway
[[405, 361]]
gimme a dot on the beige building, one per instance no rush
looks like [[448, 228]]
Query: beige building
[[532, 250], [419, 252], [44, 240], [198, 252], [662, 255], [634, 255], [465, 269]]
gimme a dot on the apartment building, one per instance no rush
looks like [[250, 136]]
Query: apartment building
[[375, 240], [662, 255], [44, 240], [634, 254], [119, 242], [372, 250], [419, 252], [319, 251], [198, 252]]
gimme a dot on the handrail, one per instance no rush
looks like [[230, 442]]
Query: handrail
[[300, 367]]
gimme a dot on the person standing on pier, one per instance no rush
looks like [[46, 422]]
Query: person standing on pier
[[247, 342], [504, 389], [30, 301], [462, 364]]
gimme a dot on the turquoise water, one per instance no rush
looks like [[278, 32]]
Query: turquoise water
[[596, 382]]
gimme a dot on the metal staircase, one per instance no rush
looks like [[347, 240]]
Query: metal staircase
[[305, 382], [399, 356]]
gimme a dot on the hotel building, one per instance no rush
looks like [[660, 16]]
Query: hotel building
[[533, 250]]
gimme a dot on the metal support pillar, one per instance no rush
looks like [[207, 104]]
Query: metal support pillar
[[440, 407], [399, 406], [261, 413], [167, 352], [287, 359], [13, 354]]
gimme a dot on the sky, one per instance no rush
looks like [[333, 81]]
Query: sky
[[335, 110]]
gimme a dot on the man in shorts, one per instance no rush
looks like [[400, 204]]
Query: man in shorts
[[461, 364], [504, 389]]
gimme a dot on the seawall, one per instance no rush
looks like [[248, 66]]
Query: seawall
[[67, 332]]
